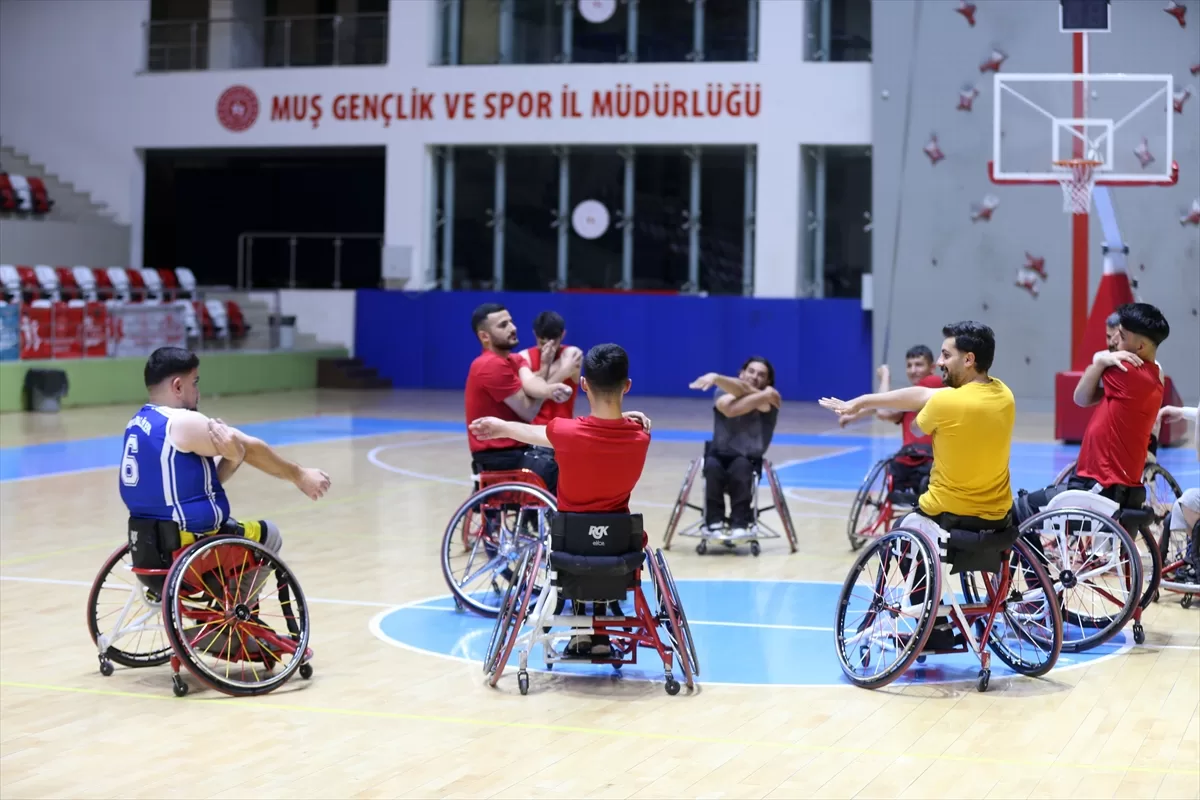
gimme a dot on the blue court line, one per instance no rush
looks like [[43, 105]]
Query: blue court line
[[1033, 463]]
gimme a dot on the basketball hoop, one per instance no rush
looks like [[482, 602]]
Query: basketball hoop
[[1077, 176]]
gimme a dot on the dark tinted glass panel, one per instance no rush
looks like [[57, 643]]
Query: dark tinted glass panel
[[665, 30], [847, 243], [596, 175], [530, 243], [474, 204], [722, 218], [537, 31], [726, 30], [600, 42], [660, 242]]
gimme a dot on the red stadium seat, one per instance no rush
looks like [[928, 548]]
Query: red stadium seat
[[208, 331], [30, 287], [137, 285], [41, 199], [236, 320], [170, 284], [104, 285], [70, 288], [8, 196]]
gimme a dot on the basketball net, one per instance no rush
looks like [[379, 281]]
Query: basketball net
[[1077, 176]]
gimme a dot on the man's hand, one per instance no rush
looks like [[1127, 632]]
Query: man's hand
[[313, 482], [560, 392], [639, 417], [1117, 358], [844, 409], [1170, 414], [704, 382], [773, 396], [883, 373], [548, 349], [486, 428], [226, 443]]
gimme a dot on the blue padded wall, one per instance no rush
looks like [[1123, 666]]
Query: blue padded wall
[[818, 347]]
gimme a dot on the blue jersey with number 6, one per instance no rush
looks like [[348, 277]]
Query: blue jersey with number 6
[[160, 482]]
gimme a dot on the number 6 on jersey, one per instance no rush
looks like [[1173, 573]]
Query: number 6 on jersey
[[129, 466]]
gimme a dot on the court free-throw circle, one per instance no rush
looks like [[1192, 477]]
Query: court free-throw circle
[[597, 11], [590, 219]]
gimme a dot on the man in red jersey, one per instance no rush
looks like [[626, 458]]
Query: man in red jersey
[[553, 363], [499, 385], [1126, 384], [600, 456]]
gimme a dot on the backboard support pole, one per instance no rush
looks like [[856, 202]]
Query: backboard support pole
[[1079, 222]]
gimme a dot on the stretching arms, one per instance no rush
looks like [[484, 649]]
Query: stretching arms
[[492, 428]]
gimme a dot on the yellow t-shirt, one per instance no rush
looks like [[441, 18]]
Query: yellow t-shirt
[[972, 435]]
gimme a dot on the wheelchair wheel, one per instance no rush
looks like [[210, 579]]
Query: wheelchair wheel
[[1027, 635], [1063, 474], [681, 631], [221, 609], [1162, 490], [122, 609], [895, 587], [518, 603], [1152, 564], [681, 502], [1096, 569], [870, 506], [779, 499], [485, 539]]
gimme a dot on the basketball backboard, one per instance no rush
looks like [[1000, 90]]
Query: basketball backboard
[[1126, 122]]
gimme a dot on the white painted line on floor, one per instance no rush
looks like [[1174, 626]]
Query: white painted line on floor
[[834, 454]]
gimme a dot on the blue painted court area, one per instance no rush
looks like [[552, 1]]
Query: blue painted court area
[[768, 633], [844, 467]]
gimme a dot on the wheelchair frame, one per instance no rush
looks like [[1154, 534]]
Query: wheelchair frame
[[626, 633], [186, 562], [760, 530], [889, 509], [520, 490], [919, 537]]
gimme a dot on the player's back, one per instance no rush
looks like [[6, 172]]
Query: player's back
[[158, 481], [599, 462]]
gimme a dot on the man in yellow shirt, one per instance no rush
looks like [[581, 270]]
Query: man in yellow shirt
[[971, 422]]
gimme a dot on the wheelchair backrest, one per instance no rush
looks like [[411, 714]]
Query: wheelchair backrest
[[596, 534], [1077, 498]]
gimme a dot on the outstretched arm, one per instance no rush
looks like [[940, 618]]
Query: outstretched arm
[[486, 428], [734, 386], [910, 398]]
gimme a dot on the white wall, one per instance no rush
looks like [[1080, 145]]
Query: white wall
[[327, 314], [87, 105], [63, 243]]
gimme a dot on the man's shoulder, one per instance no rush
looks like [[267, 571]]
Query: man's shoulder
[[487, 361], [932, 382]]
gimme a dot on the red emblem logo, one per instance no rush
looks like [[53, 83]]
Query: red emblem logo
[[237, 108]]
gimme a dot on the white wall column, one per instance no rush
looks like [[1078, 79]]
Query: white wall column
[[405, 216], [137, 200], [235, 34], [412, 33]]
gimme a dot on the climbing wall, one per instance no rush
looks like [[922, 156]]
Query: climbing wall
[[960, 247]]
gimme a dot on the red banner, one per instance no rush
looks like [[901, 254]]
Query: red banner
[[61, 331]]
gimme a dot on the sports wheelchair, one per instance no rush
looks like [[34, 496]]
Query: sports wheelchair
[[205, 603], [1083, 540], [597, 559], [883, 499], [758, 530], [489, 533], [909, 608]]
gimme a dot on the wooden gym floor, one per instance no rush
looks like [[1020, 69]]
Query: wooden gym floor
[[397, 708]]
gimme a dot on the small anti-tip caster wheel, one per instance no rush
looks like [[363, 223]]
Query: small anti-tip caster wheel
[[921, 658], [523, 682], [985, 677], [1139, 633], [306, 671], [617, 666], [106, 667], [672, 687], [1186, 602], [179, 686], [702, 548], [755, 549]]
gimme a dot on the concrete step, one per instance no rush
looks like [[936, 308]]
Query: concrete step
[[70, 204]]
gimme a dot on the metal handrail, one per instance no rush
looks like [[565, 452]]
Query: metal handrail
[[245, 268]]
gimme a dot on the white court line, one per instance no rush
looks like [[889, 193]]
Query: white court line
[[836, 453], [318, 600]]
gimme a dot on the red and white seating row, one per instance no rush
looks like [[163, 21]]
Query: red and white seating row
[[44, 285], [23, 195]]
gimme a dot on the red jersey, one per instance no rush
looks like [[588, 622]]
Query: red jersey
[[492, 378], [599, 462], [1114, 445], [906, 431], [550, 409]]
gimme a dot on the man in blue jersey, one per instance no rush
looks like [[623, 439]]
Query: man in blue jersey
[[171, 480]]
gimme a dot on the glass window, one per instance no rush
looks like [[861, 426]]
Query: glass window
[[531, 200], [839, 30], [665, 30], [722, 219], [599, 175], [662, 192], [603, 41], [472, 215], [727, 30], [537, 31], [838, 241]]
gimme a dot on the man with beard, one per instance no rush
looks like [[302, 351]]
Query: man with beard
[[745, 410], [971, 423], [502, 386]]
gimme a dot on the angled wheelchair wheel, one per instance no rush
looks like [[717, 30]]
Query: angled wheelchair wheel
[[1096, 570], [236, 616], [1151, 557], [670, 610], [518, 602], [681, 502], [779, 499], [887, 607], [867, 514], [127, 615], [1063, 474], [1162, 490], [485, 539], [1027, 633]]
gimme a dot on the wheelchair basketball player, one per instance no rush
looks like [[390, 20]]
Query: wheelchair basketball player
[[1184, 520], [600, 456], [554, 363]]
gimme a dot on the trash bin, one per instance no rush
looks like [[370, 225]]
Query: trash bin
[[45, 389], [285, 331]]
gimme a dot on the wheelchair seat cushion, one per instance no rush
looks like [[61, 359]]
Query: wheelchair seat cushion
[[597, 566]]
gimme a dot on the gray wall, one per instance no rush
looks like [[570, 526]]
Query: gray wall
[[950, 268], [33, 242]]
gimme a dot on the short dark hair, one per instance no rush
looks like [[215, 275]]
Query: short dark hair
[[549, 325], [973, 337], [1146, 320], [765, 363], [480, 314], [167, 362], [919, 351], [1114, 319], [606, 367]]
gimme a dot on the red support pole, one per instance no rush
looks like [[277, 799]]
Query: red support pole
[[1079, 223]]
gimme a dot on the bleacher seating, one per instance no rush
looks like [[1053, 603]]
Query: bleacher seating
[[20, 194], [73, 300]]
